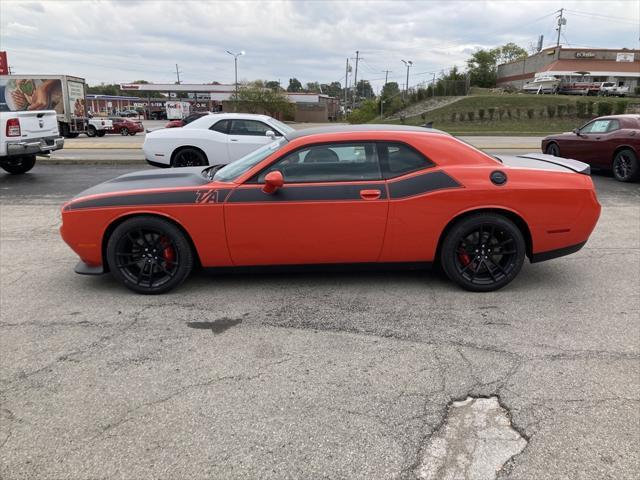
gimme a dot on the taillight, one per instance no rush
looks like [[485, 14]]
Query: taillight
[[13, 127]]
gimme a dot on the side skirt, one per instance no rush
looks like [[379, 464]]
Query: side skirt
[[325, 267]]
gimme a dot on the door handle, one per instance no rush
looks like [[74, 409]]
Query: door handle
[[370, 194], [234, 139]]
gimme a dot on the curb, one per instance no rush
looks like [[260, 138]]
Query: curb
[[101, 146], [90, 161]]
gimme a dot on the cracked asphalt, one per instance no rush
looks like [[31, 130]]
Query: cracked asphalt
[[323, 375]]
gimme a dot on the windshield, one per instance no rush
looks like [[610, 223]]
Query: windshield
[[235, 169], [283, 127]]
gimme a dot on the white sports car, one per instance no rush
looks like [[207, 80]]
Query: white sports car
[[215, 139]]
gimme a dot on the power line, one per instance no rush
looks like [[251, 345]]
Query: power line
[[609, 17]]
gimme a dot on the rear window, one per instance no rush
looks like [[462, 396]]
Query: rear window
[[399, 159]]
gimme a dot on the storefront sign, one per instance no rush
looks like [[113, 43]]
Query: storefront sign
[[585, 54], [625, 57]]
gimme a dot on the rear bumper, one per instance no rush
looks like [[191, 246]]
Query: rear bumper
[[29, 147], [157, 164], [560, 252]]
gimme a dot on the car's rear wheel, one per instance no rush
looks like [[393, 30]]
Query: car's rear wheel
[[132, 133], [626, 167], [101, 133], [18, 165], [483, 252], [553, 149], [189, 157], [91, 131], [124, 132], [149, 255]]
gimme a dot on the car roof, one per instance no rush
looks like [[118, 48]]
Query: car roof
[[361, 128], [248, 116]]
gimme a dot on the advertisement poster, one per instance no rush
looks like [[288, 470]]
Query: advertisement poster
[[76, 99], [4, 66], [18, 94]]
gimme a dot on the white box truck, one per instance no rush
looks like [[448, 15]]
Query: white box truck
[[62, 93], [178, 110]]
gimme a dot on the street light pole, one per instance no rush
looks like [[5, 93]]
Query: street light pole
[[235, 64], [409, 64]]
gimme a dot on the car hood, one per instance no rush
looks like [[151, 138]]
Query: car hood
[[149, 180]]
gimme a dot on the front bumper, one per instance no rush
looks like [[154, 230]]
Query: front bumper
[[29, 147]]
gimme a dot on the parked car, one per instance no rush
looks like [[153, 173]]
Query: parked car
[[608, 143], [125, 126], [186, 120], [608, 89], [212, 140], [128, 113], [158, 115], [334, 195], [26, 134]]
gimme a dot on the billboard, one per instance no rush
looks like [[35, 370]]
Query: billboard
[[19, 94], [625, 57]]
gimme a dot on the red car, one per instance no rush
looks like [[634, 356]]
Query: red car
[[608, 143], [186, 120], [126, 126], [337, 195]]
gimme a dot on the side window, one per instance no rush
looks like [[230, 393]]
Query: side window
[[398, 159], [248, 127], [613, 125], [222, 126], [342, 162], [597, 126]]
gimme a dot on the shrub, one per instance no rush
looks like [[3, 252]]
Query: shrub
[[541, 113], [500, 113], [368, 111], [530, 113], [481, 114], [423, 116], [471, 116], [509, 113], [562, 110], [492, 112], [590, 108], [453, 116], [518, 113], [620, 108], [604, 108], [581, 108], [551, 111], [637, 90], [403, 118]]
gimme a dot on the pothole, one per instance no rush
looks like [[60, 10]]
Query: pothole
[[474, 442]]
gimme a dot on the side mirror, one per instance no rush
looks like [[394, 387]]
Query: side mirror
[[273, 181], [576, 131], [271, 134]]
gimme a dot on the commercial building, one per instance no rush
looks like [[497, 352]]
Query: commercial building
[[574, 64], [308, 107]]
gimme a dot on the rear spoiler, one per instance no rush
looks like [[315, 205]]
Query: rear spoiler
[[521, 160]]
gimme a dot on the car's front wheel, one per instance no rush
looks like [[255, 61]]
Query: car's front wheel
[[189, 157], [124, 132], [149, 255], [18, 165], [626, 167], [483, 252], [91, 131], [553, 149]]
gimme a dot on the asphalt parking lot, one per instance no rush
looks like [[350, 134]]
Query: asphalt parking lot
[[323, 375]]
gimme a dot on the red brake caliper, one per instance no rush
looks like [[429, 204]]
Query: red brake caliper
[[464, 257], [168, 252]]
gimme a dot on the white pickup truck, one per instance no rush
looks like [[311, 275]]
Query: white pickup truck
[[612, 89], [98, 126], [25, 135]]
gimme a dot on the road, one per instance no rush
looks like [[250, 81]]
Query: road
[[342, 375]]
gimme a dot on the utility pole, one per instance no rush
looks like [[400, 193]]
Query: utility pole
[[386, 75], [561, 21], [235, 64], [355, 81], [409, 64], [346, 85], [178, 74], [386, 79], [433, 85]]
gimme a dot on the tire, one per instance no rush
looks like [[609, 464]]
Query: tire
[[553, 149], [72, 135], [149, 255], [189, 157], [18, 165], [483, 252], [91, 131], [626, 167], [124, 132], [101, 133], [132, 133]]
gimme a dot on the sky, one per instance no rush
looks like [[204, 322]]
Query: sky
[[119, 41]]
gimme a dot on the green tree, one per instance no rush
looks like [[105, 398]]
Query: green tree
[[391, 89], [294, 85], [273, 85], [482, 68], [313, 87], [334, 89], [256, 98], [509, 52], [364, 89]]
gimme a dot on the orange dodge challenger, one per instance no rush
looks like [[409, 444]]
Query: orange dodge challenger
[[383, 195]]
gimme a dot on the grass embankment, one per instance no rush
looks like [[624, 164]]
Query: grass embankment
[[507, 114]]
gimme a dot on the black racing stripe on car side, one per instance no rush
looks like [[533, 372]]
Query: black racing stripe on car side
[[420, 184], [305, 193], [157, 198]]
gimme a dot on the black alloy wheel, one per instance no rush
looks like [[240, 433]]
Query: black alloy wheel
[[626, 167], [189, 157], [553, 149], [483, 252], [18, 165], [124, 132], [149, 255]]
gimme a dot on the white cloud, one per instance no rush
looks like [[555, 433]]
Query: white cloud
[[120, 41]]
